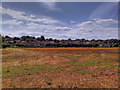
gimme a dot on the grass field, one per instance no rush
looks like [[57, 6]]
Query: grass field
[[60, 68]]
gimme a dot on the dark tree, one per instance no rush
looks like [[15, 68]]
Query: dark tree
[[42, 38], [16, 38], [50, 39], [69, 39]]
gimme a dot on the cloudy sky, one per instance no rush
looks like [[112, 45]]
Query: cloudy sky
[[61, 20]]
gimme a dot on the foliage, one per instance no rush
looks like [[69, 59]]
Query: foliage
[[31, 41]]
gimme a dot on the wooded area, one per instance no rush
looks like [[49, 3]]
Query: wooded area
[[30, 41]]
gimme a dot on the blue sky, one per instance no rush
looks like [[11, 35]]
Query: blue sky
[[61, 20]]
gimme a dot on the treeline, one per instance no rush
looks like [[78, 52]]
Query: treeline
[[30, 41]]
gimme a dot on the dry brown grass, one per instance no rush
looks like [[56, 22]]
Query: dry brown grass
[[60, 68]]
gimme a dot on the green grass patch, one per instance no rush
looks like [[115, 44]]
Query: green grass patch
[[100, 61], [7, 74], [87, 64], [11, 85], [107, 63], [32, 69], [10, 71], [84, 72]]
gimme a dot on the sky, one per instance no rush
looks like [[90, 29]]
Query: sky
[[60, 20]]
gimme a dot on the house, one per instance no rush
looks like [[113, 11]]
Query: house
[[23, 42], [107, 45], [87, 42], [52, 42], [100, 45], [43, 43], [18, 41]]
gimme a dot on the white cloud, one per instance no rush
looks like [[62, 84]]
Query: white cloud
[[35, 26], [98, 23], [12, 22], [32, 24], [22, 16], [87, 23], [46, 21], [49, 27], [89, 31], [50, 6], [95, 29], [15, 14], [48, 31], [63, 28], [107, 22], [32, 16]]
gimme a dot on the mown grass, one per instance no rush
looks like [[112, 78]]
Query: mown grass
[[101, 61], [21, 70], [10, 71], [84, 72], [32, 69]]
